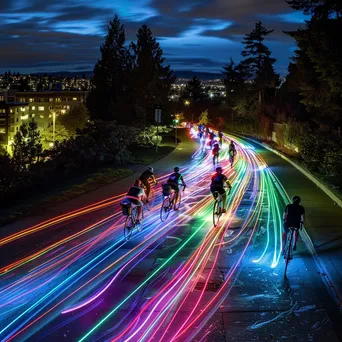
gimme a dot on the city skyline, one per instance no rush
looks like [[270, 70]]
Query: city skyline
[[65, 36]]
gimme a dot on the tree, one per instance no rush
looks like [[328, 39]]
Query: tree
[[316, 71], [151, 79], [111, 72], [27, 146], [234, 83], [258, 63], [204, 118], [194, 91], [75, 118], [318, 9], [48, 138]]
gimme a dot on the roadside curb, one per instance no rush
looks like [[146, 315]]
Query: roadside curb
[[328, 192]]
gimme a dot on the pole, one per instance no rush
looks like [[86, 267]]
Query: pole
[[53, 127], [176, 134], [157, 139]]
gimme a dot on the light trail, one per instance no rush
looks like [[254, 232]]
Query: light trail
[[71, 274]]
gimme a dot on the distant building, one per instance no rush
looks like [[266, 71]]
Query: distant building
[[45, 104], [11, 117], [18, 107]]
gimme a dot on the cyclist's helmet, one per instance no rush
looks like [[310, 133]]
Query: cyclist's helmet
[[150, 169], [296, 199], [219, 169], [176, 169], [137, 182]]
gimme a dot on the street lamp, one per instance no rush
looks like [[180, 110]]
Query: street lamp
[[53, 126], [175, 123]]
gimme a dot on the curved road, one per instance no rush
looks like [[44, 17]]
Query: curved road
[[73, 277]]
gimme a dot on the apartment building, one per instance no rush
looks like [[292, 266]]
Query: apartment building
[[44, 105], [11, 117]]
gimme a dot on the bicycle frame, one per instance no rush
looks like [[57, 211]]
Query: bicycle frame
[[288, 248]]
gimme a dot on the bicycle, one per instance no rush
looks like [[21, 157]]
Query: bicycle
[[169, 201], [131, 219], [288, 248], [218, 207], [152, 196], [215, 156], [231, 158]]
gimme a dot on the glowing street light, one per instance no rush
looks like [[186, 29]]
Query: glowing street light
[[187, 102]]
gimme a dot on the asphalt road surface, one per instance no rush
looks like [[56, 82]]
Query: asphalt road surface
[[73, 277]]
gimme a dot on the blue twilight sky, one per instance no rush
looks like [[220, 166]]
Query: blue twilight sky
[[196, 35]]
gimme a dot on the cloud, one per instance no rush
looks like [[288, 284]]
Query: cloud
[[68, 33]]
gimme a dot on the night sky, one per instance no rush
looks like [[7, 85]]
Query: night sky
[[197, 35]]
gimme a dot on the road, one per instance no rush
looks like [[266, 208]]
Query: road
[[73, 277]]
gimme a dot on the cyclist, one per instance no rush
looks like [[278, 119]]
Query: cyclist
[[232, 152], [218, 180], [136, 195], [220, 134], [216, 150], [293, 217], [232, 148], [145, 177], [173, 181]]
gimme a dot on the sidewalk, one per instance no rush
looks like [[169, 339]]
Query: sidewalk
[[180, 156], [323, 218]]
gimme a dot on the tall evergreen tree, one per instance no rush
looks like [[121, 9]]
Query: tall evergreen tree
[[152, 79], [258, 63], [194, 91], [234, 83], [106, 100], [317, 68]]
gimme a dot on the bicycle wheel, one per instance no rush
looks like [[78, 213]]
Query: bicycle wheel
[[165, 209], [177, 205], [128, 227], [288, 252], [151, 199], [216, 212]]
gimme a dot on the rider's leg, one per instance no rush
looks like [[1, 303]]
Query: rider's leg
[[176, 197], [139, 211], [295, 238], [286, 230], [148, 189], [284, 236], [224, 200]]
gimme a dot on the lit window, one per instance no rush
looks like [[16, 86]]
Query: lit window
[[68, 107], [41, 116], [33, 108], [2, 130], [22, 109], [51, 99], [74, 98], [24, 117], [33, 115], [31, 100], [2, 111], [58, 99], [41, 108], [63, 111], [11, 110]]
